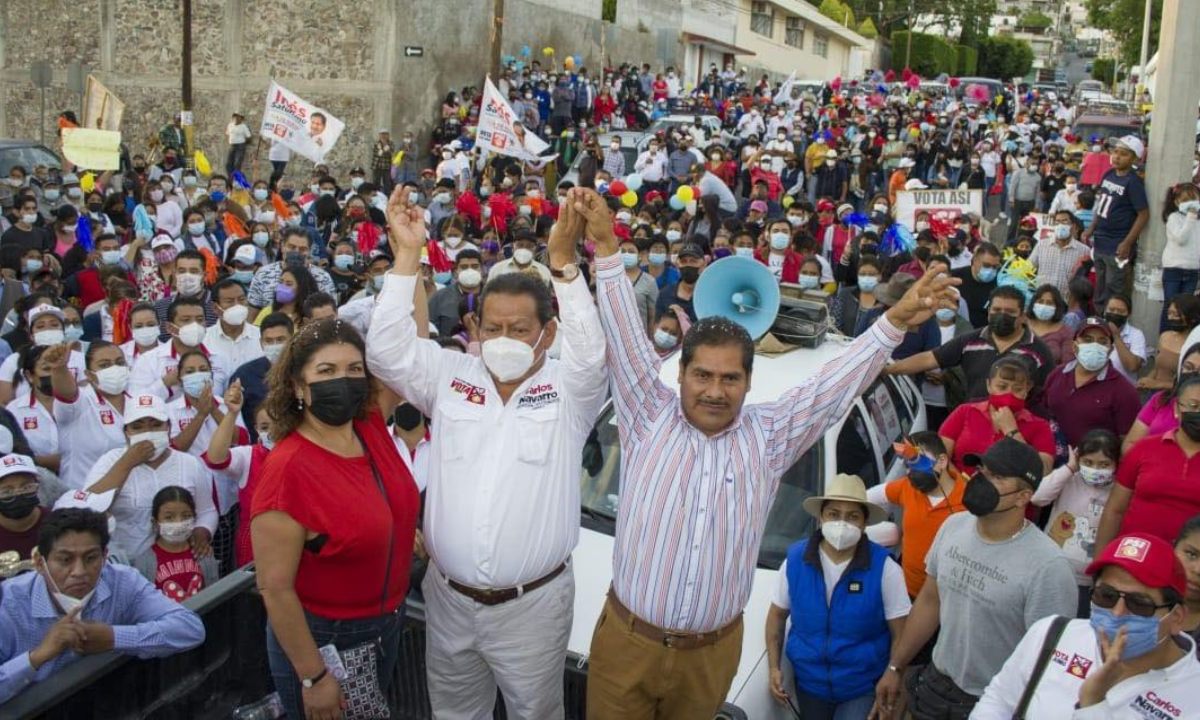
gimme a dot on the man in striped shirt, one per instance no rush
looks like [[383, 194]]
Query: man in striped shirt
[[699, 473]]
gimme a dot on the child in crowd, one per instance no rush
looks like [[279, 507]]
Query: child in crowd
[[171, 564]]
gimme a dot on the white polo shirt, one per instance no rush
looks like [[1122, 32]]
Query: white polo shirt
[[181, 413], [93, 426], [133, 352], [150, 367], [8, 369], [1135, 340], [38, 424], [235, 351], [133, 504]]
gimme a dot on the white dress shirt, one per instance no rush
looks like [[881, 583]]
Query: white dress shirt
[[150, 367], [93, 426], [181, 413], [234, 351], [133, 503], [1135, 340], [502, 504], [36, 422], [653, 168]]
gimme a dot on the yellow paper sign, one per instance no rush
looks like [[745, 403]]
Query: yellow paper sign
[[94, 149]]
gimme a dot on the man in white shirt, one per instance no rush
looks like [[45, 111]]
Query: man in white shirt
[[235, 340], [750, 124], [524, 245], [157, 372], [138, 471], [1132, 659], [652, 164], [502, 505], [237, 134]]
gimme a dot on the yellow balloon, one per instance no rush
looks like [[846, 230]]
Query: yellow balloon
[[569, 63], [685, 193], [547, 51], [787, 201], [87, 183], [629, 199], [202, 165]]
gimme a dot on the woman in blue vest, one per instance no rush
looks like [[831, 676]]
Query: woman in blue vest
[[846, 600]]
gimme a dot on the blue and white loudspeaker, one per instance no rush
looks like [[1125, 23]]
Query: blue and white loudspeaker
[[740, 289]]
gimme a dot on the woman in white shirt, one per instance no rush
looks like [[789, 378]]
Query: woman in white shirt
[[195, 414], [168, 216], [1181, 252], [143, 323], [34, 410]]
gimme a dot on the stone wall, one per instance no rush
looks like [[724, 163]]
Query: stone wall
[[346, 57]]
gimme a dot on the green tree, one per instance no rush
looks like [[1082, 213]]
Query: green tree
[[1102, 70], [1123, 18], [1004, 58], [608, 11], [1035, 20], [839, 12], [867, 29]]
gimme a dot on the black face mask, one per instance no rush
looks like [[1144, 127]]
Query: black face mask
[[923, 480], [689, 275], [1189, 423], [18, 507], [981, 497], [294, 259], [1024, 254], [94, 207], [1115, 319], [1002, 324], [1174, 325], [45, 386], [406, 417], [338, 401]]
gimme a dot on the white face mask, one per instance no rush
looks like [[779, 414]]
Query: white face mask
[[113, 379], [454, 240], [509, 359], [29, 218], [156, 195], [66, 602], [189, 284], [158, 438], [191, 334], [523, 256], [260, 194], [470, 278], [840, 534], [176, 532], [236, 315], [146, 336], [46, 338], [1096, 477], [272, 352]]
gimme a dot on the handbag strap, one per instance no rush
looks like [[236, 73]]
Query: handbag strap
[[1057, 625], [387, 573]]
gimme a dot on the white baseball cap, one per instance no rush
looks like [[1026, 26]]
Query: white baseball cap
[[14, 463], [99, 502], [915, 184], [44, 309], [161, 240], [246, 254], [1133, 144], [907, 163], [145, 406]]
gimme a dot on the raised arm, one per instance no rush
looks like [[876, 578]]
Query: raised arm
[[406, 363], [217, 455], [62, 380], [633, 363]]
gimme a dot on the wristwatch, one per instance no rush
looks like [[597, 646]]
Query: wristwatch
[[568, 272], [308, 683]]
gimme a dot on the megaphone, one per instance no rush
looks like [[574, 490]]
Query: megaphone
[[740, 289]]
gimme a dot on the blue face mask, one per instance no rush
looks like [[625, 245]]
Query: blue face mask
[[663, 339], [343, 262], [1142, 632], [868, 283], [195, 383], [1092, 356], [442, 278], [658, 258], [1043, 312], [243, 277], [629, 259], [809, 282], [987, 274], [945, 314]]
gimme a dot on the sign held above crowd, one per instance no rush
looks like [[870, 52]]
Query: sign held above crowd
[[501, 132], [941, 204], [302, 127]]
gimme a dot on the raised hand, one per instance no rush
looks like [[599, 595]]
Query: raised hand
[[56, 356], [233, 397], [406, 223], [204, 403], [594, 210], [563, 236]]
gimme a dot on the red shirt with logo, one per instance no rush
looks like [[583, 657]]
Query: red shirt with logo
[[178, 575]]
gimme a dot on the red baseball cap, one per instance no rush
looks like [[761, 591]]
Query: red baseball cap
[[1149, 559], [1094, 323], [825, 206]]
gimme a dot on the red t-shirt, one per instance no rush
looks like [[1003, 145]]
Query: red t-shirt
[[338, 497], [178, 575], [970, 428], [1165, 484], [23, 542]]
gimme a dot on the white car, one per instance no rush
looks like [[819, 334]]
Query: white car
[[859, 443]]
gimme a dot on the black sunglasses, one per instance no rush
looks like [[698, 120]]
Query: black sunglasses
[[1141, 604]]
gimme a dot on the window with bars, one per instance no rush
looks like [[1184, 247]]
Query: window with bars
[[762, 18], [820, 45], [794, 34]]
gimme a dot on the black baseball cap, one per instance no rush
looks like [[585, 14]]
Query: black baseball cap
[[691, 250], [1010, 458]]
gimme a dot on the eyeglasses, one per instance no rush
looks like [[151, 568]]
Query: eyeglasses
[[1141, 604], [23, 490]]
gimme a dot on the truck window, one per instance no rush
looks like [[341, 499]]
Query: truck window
[[855, 453], [890, 415], [787, 521]]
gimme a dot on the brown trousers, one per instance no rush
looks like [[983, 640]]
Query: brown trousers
[[631, 677]]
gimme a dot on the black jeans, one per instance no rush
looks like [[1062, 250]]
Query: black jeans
[[934, 696], [235, 157], [344, 634], [277, 168]]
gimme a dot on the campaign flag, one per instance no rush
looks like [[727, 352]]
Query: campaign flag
[[299, 125], [501, 132], [93, 149], [101, 109]]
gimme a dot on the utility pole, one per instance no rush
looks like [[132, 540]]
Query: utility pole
[[497, 36], [1145, 57], [186, 85], [1172, 138]]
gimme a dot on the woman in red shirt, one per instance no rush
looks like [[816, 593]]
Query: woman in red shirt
[[333, 519], [974, 427], [604, 108]]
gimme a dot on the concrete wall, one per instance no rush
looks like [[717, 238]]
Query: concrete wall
[[345, 56], [778, 59]]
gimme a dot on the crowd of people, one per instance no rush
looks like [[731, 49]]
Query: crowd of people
[[369, 382]]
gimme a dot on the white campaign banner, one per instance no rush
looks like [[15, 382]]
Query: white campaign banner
[[945, 205], [299, 125], [501, 132]]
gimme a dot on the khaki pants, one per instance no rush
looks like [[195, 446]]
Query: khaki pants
[[631, 677]]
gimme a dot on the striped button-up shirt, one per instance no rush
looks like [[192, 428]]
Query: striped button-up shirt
[[1055, 263], [693, 507], [145, 623]]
